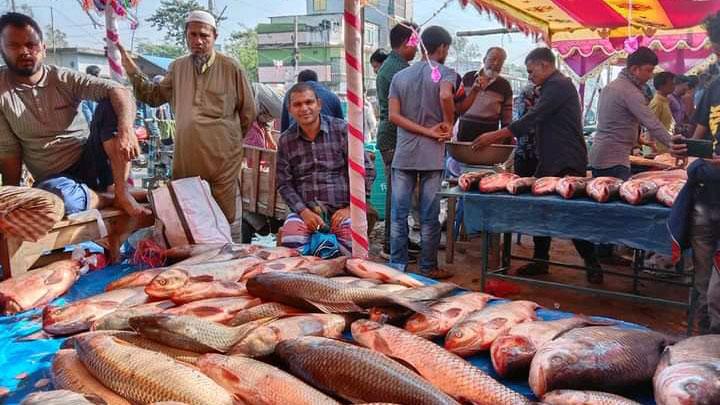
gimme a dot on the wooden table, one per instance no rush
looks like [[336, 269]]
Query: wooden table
[[18, 256]]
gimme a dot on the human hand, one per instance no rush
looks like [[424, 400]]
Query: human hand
[[481, 82], [678, 149], [127, 144], [339, 216], [127, 61], [484, 140], [440, 132], [312, 220]]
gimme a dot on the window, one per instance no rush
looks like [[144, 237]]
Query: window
[[372, 35], [319, 5]]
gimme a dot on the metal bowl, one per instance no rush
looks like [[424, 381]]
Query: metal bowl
[[490, 155]]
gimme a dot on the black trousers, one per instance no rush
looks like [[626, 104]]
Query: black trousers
[[526, 167]]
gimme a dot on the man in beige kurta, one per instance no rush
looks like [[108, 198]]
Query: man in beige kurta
[[213, 104]]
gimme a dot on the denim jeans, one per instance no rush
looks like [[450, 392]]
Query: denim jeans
[[403, 188]]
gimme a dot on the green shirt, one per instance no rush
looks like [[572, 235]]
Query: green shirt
[[387, 131]]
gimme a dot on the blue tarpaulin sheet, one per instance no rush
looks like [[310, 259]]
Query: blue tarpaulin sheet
[[640, 227], [34, 357]]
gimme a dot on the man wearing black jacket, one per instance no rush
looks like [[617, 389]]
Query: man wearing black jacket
[[559, 145]]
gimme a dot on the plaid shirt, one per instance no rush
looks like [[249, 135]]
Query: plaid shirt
[[311, 174]]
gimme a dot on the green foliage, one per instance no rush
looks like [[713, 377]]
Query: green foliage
[[163, 50], [170, 18], [242, 45]]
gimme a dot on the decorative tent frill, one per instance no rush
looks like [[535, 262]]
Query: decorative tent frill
[[591, 33]]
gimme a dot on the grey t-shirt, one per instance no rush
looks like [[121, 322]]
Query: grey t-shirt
[[419, 102]]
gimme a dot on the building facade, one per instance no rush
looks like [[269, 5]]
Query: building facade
[[320, 37]]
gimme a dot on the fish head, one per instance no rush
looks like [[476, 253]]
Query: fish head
[[551, 365], [73, 318], [689, 384], [465, 338], [566, 397], [259, 342], [167, 282], [422, 324], [511, 354]]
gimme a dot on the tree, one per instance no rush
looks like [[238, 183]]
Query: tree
[[55, 38], [163, 50], [242, 45], [464, 51], [170, 17]]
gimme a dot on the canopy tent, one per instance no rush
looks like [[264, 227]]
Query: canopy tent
[[589, 33]]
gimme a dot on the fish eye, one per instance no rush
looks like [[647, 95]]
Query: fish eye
[[162, 282], [557, 359], [691, 387]]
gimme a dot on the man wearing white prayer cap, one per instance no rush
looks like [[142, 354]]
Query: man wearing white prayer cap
[[214, 107]]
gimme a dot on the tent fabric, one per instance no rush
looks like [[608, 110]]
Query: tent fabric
[[589, 34], [601, 18]]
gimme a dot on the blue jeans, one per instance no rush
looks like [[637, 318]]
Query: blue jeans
[[403, 188]]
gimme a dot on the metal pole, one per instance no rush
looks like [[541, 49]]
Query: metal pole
[[211, 7], [479, 33], [52, 28], [296, 50], [12, 5]]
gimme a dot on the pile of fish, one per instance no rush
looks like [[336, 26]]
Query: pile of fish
[[663, 186], [248, 325]]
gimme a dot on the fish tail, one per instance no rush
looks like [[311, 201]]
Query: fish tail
[[419, 306]]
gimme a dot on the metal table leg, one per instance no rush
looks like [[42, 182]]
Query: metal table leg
[[485, 260], [506, 250], [450, 246]]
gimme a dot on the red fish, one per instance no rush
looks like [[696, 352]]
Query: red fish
[[284, 264], [520, 185], [38, 287], [496, 182], [468, 181], [215, 309], [667, 193], [209, 289], [137, 279], [571, 186], [545, 185], [79, 315], [603, 189], [636, 192]]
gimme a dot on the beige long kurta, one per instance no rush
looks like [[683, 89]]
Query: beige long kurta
[[213, 110]]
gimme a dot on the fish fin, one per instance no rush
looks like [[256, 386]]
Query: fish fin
[[453, 312], [337, 307], [206, 311], [54, 278], [242, 331], [203, 278], [593, 321], [39, 335], [419, 306], [94, 399]]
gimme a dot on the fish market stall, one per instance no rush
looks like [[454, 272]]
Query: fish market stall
[[641, 227], [28, 362]]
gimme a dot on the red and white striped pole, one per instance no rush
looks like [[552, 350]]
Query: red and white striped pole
[[356, 141], [112, 10]]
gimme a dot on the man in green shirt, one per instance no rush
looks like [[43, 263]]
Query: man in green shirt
[[400, 57]]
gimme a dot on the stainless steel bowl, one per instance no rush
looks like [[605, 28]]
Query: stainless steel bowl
[[490, 155]]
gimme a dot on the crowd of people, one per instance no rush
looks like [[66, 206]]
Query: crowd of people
[[423, 103]]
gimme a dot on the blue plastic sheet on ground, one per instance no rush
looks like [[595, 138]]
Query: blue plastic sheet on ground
[[640, 227], [34, 357]]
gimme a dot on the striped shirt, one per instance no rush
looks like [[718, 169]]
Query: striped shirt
[[315, 173], [42, 122]]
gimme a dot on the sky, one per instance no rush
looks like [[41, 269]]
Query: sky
[[69, 17]]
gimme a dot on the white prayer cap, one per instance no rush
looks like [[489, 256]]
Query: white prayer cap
[[201, 17]]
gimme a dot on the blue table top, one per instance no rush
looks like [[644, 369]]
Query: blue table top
[[637, 226]]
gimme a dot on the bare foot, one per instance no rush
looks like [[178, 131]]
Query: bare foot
[[128, 204]]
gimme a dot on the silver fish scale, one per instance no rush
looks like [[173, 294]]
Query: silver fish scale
[[356, 373], [144, 376]]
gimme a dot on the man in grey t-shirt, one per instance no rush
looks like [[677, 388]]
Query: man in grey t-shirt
[[422, 107]]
